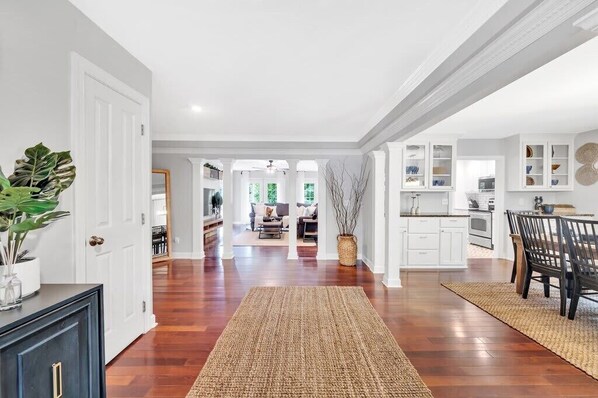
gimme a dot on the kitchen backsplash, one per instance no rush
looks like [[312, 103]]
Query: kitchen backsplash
[[429, 202], [481, 197]]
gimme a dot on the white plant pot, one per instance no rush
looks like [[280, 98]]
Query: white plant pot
[[28, 273]]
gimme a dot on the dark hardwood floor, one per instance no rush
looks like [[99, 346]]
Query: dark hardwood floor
[[458, 349]]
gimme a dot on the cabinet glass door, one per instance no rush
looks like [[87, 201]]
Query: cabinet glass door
[[535, 155], [559, 165], [442, 167], [414, 167]]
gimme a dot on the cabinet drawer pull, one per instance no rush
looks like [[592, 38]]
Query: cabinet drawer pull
[[423, 252], [423, 237], [57, 380]]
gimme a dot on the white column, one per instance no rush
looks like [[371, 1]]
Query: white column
[[392, 206], [197, 184], [378, 159], [300, 181], [227, 220], [322, 199], [245, 197], [292, 196]]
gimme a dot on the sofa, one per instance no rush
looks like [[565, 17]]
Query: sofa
[[282, 214]]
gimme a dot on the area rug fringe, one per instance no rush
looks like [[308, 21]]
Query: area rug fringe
[[538, 318], [307, 342]]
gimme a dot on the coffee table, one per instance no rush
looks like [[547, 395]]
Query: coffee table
[[270, 230]]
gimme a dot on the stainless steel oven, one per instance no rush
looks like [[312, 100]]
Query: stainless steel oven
[[480, 228]]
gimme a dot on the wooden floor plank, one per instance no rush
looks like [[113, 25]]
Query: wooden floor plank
[[459, 350]]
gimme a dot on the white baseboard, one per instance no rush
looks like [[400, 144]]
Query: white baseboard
[[188, 255], [391, 282], [372, 266]]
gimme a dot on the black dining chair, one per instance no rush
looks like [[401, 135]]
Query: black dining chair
[[544, 254], [581, 239], [514, 228]]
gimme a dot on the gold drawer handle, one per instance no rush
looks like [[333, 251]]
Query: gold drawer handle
[[57, 379]]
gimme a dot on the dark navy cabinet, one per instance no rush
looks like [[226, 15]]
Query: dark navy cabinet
[[53, 346]]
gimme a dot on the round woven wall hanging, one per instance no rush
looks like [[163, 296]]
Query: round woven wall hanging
[[587, 155]]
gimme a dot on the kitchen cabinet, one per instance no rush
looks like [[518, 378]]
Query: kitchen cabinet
[[434, 242], [53, 345], [453, 246], [539, 164], [429, 166]]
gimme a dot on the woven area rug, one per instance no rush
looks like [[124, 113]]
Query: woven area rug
[[538, 318], [307, 342]]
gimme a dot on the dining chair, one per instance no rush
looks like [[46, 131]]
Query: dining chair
[[514, 228], [542, 245], [581, 239]]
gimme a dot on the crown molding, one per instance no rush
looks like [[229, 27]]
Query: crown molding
[[588, 22], [515, 28]]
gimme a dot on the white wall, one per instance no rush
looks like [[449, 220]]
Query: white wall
[[36, 39]]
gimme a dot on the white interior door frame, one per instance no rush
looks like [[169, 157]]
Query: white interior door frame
[[80, 68], [499, 196]]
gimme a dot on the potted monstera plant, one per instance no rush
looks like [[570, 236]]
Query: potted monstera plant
[[28, 202]]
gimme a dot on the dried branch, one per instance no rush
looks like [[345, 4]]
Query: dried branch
[[346, 209]]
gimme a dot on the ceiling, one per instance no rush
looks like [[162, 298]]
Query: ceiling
[[275, 70], [559, 97]]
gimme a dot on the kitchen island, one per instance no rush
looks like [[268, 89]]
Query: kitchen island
[[434, 241]]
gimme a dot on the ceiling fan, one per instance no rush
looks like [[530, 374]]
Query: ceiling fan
[[271, 168]]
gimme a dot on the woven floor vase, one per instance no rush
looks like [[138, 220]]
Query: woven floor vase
[[347, 250]]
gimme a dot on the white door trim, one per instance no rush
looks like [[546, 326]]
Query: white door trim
[[80, 68], [499, 196]]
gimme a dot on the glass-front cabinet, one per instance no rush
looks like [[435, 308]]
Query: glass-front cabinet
[[547, 165], [535, 159], [560, 161], [415, 166], [428, 166], [442, 166]]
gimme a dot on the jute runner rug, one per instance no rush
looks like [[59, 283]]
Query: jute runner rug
[[538, 318], [307, 342]]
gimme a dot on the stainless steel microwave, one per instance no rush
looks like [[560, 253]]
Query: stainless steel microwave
[[486, 184]]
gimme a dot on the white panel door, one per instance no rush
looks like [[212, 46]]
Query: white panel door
[[113, 178]]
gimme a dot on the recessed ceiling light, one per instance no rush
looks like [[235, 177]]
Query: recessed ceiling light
[[196, 108]]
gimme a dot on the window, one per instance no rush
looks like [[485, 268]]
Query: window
[[309, 192], [272, 192], [255, 192]]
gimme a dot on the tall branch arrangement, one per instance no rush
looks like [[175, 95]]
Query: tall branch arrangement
[[29, 197], [347, 191]]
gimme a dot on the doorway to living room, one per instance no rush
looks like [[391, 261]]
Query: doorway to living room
[[262, 204]]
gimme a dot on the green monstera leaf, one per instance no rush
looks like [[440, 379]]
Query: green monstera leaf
[[4, 223], [31, 224], [36, 166], [4, 182], [60, 178], [20, 199]]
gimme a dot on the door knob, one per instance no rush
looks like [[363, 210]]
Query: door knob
[[96, 240]]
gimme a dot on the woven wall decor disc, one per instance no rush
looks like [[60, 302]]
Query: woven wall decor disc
[[587, 153], [587, 175]]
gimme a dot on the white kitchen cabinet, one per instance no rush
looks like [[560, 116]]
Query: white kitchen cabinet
[[538, 164], [429, 166], [453, 246], [434, 242]]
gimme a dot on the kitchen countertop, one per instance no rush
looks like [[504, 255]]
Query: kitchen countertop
[[455, 214]]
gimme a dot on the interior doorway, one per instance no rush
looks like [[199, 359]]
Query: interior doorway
[[479, 190]]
